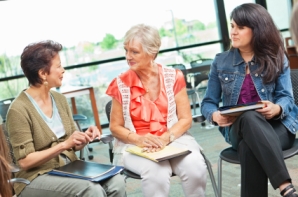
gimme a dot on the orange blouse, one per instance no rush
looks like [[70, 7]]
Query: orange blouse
[[146, 115]]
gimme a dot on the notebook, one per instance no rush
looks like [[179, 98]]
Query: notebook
[[236, 110], [167, 153], [87, 170]]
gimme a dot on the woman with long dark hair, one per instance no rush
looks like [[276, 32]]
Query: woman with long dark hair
[[255, 69]]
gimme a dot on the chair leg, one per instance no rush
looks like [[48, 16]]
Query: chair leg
[[219, 177], [111, 154], [209, 168], [194, 106]]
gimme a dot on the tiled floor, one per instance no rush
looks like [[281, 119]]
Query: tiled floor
[[212, 142]]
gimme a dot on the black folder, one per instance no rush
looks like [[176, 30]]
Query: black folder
[[87, 170]]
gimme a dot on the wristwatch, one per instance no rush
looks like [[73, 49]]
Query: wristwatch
[[172, 136]]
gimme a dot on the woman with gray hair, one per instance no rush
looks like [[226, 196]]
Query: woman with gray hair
[[151, 110]]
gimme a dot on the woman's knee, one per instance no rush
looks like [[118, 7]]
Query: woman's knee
[[251, 116], [91, 189], [158, 175], [196, 171], [115, 186]]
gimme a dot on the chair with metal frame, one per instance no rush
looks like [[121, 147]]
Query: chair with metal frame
[[189, 87], [105, 138], [9, 157], [201, 69], [129, 174], [4, 105], [231, 156]]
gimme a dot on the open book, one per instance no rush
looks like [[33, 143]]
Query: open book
[[87, 170], [167, 153], [236, 110]]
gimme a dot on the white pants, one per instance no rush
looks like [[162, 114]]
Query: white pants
[[190, 168]]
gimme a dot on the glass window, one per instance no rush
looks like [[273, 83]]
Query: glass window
[[280, 12], [93, 30], [230, 5]]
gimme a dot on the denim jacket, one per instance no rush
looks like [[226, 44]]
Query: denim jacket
[[225, 81]]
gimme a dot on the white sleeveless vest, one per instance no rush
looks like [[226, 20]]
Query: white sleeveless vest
[[169, 81]]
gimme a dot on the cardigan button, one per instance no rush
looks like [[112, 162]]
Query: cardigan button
[[53, 138], [256, 74], [263, 90], [22, 147], [226, 78]]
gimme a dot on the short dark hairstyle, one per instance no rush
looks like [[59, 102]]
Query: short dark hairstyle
[[38, 56], [267, 42]]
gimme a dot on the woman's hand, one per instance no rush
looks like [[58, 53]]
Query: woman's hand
[[76, 139], [93, 133], [223, 121], [270, 110], [150, 143]]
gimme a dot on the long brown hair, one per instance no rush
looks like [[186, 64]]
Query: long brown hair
[[5, 174], [267, 42]]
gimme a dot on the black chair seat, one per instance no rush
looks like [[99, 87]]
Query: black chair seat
[[131, 174], [230, 155], [198, 118], [292, 151]]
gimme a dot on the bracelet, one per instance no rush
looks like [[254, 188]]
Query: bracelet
[[128, 135]]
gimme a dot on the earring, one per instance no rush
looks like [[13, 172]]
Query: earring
[[45, 83]]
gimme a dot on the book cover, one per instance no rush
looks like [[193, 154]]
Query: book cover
[[236, 110], [87, 170], [167, 153]]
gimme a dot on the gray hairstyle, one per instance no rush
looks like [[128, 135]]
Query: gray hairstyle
[[148, 37]]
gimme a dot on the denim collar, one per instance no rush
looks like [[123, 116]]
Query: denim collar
[[237, 58]]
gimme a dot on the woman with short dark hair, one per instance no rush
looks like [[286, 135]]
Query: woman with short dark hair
[[43, 134]]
